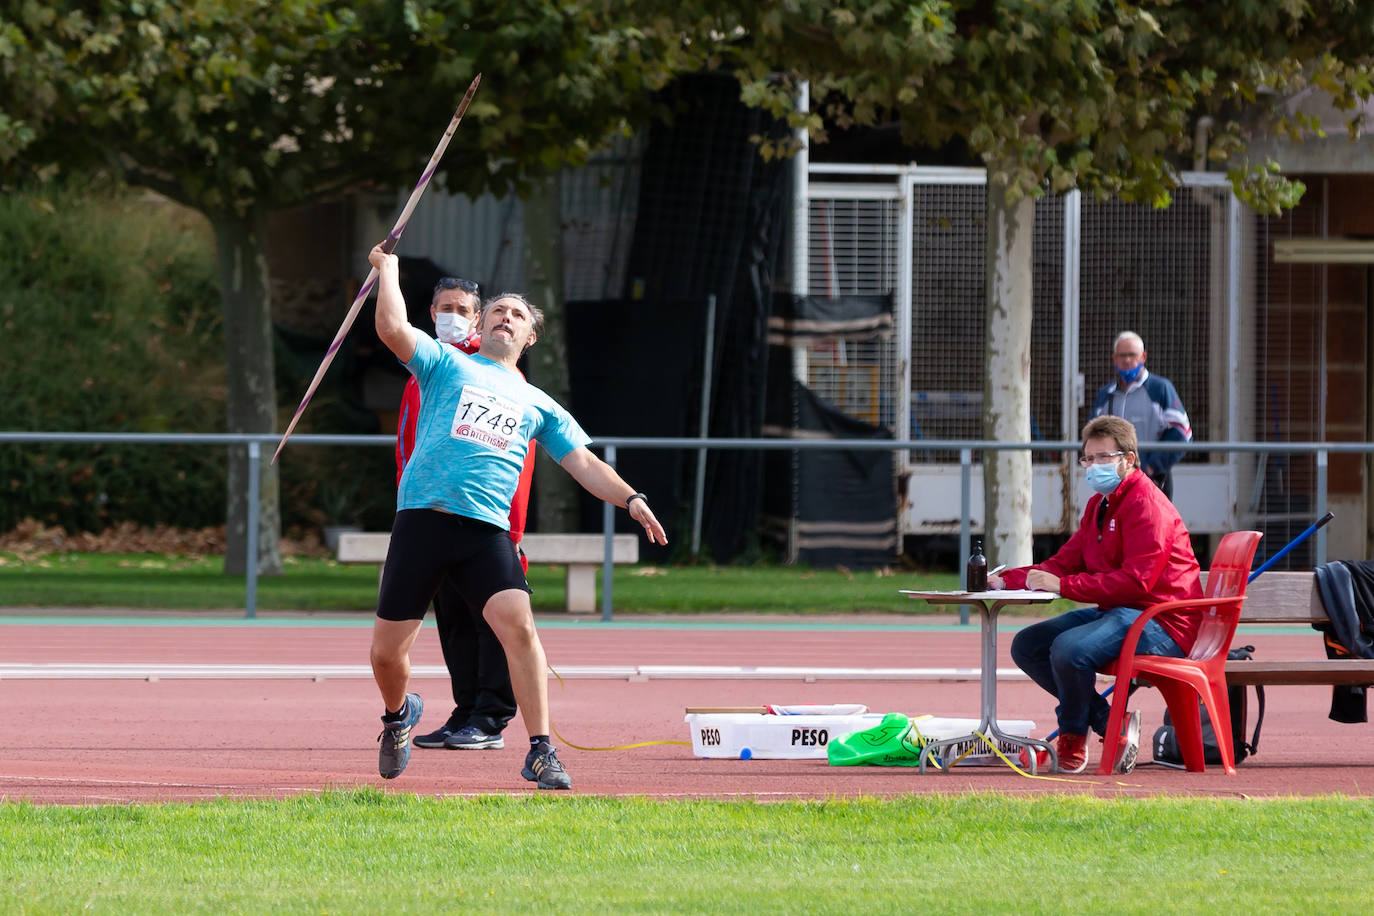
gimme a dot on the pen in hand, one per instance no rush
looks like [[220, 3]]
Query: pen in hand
[[998, 569]]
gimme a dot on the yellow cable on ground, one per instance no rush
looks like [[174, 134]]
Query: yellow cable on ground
[[616, 747], [922, 740], [996, 750]]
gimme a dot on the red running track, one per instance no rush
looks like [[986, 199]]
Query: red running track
[[79, 740]]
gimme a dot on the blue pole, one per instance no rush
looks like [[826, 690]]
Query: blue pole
[[608, 550], [965, 525], [250, 573], [1291, 544]]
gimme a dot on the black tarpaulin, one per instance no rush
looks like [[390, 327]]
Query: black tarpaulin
[[839, 504], [710, 217], [635, 370]]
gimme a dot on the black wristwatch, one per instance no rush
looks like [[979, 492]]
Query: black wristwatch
[[633, 496]]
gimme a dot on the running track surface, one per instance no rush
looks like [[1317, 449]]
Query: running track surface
[[79, 740]]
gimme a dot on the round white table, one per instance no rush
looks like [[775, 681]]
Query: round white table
[[989, 605]]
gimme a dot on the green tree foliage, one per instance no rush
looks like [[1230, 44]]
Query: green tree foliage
[[240, 107], [1099, 95]]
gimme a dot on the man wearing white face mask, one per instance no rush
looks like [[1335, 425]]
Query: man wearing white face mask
[[452, 308], [1131, 550], [1152, 405], [480, 679]]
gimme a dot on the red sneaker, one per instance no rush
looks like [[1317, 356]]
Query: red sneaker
[[1073, 753], [1042, 759]]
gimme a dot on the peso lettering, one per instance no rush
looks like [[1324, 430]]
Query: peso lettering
[[810, 737]]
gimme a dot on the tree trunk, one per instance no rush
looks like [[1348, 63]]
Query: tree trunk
[[548, 359], [241, 249], [1006, 390]]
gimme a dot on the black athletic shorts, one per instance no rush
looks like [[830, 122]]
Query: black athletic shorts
[[480, 559]]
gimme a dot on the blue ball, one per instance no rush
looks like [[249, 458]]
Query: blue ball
[[745, 753]]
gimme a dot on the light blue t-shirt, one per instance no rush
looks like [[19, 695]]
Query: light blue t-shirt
[[476, 421]]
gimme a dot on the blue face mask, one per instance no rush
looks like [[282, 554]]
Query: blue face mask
[[1130, 375], [1103, 478]]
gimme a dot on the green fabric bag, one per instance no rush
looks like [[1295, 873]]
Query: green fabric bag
[[894, 742]]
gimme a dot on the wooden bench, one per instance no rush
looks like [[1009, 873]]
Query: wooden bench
[[583, 555], [1291, 597]]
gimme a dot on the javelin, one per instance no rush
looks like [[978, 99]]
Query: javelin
[[392, 238]]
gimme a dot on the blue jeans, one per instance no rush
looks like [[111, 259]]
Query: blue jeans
[[1062, 655]]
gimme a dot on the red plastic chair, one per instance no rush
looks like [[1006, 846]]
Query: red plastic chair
[[1200, 676]]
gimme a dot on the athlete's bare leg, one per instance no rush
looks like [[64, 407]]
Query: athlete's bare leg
[[391, 642], [512, 620]]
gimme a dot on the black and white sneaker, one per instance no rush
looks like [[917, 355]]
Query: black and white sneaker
[[472, 738], [543, 768], [438, 737]]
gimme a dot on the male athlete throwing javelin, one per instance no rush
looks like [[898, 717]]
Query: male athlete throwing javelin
[[477, 419]]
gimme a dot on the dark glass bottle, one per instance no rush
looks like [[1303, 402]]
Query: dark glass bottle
[[977, 579]]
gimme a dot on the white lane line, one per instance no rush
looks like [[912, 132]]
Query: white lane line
[[154, 783], [153, 672]]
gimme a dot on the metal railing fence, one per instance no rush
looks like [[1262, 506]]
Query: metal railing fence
[[610, 446]]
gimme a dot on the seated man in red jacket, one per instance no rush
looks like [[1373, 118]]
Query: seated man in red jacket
[[1131, 550], [483, 699]]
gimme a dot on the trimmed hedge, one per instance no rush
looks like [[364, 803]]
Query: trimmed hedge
[[110, 321]]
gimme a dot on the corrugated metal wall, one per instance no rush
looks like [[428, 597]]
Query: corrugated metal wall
[[482, 239]]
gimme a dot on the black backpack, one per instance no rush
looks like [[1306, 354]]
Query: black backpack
[[1166, 749]]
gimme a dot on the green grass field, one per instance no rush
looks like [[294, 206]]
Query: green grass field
[[370, 852], [152, 581]]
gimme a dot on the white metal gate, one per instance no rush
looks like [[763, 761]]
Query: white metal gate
[[1172, 275]]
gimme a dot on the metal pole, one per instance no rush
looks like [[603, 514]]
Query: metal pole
[[906, 271], [965, 510], [1234, 378], [250, 572], [1071, 380], [608, 552], [1322, 460], [709, 357], [801, 202], [801, 261]]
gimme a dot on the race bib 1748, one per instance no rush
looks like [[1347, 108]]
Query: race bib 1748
[[486, 418]]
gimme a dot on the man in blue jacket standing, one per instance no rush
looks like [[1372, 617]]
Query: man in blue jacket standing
[[1150, 403]]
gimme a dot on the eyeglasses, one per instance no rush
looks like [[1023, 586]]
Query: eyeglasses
[[1104, 458], [466, 286]]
